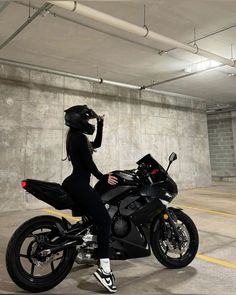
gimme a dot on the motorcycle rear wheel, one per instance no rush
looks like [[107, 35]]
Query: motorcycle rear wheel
[[20, 256], [164, 244]]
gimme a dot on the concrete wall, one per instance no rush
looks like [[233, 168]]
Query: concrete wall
[[33, 133], [222, 145], [233, 116]]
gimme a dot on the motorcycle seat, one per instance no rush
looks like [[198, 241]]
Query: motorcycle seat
[[49, 192], [53, 194]]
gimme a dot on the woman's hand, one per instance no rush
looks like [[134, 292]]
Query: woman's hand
[[112, 180], [101, 118]]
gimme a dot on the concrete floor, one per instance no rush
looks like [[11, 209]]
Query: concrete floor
[[213, 209]]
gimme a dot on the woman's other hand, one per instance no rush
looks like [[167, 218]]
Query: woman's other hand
[[112, 180]]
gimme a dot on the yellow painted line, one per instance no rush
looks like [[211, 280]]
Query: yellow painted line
[[208, 210], [54, 212], [213, 192], [216, 261]]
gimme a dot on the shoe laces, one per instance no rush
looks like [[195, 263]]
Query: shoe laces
[[108, 274]]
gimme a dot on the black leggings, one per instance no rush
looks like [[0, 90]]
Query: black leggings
[[86, 197]]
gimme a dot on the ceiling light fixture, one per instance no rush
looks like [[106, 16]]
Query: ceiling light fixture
[[202, 66]]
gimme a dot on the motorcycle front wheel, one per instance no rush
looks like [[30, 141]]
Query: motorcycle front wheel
[[173, 251], [30, 271]]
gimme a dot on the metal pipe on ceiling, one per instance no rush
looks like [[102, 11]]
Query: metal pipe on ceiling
[[3, 6], [46, 70], [137, 30], [25, 24], [205, 36], [160, 51], [101, 80], [65, 74], [81, 23], [180, 77]]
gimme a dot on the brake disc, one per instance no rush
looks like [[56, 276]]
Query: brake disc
[[173, 245]]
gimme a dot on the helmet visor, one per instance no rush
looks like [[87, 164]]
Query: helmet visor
[[89, 114]]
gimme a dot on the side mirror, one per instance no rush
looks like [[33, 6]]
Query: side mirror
[[172, 157]]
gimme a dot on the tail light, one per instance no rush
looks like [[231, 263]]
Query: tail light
[[23, 183], [154, 171]]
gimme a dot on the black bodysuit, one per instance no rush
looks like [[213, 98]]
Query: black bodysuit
[[80, 150], [77, 184]]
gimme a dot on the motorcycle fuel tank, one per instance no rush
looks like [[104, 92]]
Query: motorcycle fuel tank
[[126, 181], [126, 177], [115, 192]]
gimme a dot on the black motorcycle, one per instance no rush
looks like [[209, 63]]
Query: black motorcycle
[[42, 250]]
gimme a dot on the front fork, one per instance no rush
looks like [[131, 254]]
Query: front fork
[[169, 215]]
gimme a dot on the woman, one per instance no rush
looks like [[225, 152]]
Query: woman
[[79, 152]]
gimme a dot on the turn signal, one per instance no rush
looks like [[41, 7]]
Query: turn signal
[[23, 183], [165, 216]]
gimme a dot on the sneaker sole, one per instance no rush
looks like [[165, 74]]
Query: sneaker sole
[[100, 281]]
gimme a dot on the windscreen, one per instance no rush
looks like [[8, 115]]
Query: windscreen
[[152, 164]]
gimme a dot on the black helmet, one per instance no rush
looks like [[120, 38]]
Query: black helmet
[[77, 117]]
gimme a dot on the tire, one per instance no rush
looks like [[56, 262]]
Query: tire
[[158, 240], [15, 261]]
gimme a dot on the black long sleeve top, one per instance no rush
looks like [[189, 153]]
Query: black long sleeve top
[[98, 139], [81, 151]]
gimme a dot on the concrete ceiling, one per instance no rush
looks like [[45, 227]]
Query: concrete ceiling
[[80, 46]]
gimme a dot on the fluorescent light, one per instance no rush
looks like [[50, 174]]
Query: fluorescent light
[[202, 66]]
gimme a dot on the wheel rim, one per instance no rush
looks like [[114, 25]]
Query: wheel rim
[[169, 245], [33, 266]]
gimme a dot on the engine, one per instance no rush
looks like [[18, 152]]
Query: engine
[[85, 252], [121, 226]]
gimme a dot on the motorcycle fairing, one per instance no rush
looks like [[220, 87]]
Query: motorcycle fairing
[[146, 213], [126, 203], [50, 192], [115, 192], [134, 245], [155, 190]]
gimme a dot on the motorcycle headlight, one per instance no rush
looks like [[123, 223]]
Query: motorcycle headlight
[[164, 202], [169, 196]]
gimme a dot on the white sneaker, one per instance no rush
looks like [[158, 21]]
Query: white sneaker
[[106, 279]]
